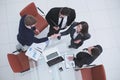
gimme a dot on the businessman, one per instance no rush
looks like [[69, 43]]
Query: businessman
[[59, 18], [26, 32]]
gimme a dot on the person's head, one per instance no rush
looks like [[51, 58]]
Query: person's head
[[82, 27], [65, 11], [95, 50], [30, 21]]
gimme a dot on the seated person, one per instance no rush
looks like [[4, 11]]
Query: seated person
[[26, 31], [78, 32], [87, 56]]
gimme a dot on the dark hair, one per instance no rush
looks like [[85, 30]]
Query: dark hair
[[96, 51], [29, 20], [65, 11], [84, 27]]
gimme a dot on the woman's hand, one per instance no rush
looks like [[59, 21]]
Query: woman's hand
[[77, 41], [37, 30], [54, 36], [56, 28]]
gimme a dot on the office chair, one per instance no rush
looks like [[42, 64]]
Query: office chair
[[93, 73], [31, 9], [18, 62]]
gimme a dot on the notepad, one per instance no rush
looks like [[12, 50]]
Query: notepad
[[35, 51], [69, 63]]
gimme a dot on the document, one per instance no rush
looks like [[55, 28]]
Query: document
[[35, 51], [69, 63]]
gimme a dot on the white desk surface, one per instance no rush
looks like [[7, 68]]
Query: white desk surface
[[42, 71]]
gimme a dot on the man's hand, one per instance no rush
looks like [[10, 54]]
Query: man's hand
[[53, 36], [57, 35], [36, 31], [56, 28]]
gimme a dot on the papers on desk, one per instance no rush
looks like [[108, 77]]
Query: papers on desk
[[69, 63], [35, 50]]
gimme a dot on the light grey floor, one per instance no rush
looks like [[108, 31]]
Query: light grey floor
[[103, 17]]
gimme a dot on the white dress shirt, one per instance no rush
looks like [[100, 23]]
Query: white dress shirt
[[64, 22]]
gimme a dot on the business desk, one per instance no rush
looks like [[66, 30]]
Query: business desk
[[41, 71]]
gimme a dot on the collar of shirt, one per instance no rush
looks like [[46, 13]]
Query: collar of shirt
[[75, 34], [86, 51], [28, 27]]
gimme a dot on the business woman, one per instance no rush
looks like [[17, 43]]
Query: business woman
[[78, 32], [87, 56]]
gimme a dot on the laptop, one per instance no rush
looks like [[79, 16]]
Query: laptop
[[52, 56]]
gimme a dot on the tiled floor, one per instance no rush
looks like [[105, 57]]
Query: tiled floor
[[103, 17]]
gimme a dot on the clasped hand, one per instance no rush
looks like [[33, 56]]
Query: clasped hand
[[56, 28], [54, 36]]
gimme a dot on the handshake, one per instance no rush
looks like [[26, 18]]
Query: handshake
[[58, 36]]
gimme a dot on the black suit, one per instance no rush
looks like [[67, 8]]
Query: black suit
[[81, 37], [84, 58], [52, 18]]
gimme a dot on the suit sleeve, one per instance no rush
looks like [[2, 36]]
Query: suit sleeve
[[71, 17], [51, 16], [86, 36], [36, 40], [69, 29], [66, 32]]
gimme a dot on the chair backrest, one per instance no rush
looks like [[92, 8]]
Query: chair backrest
[[98, 73], [93, 73], [18, 62], [86, 74], [31, 9]]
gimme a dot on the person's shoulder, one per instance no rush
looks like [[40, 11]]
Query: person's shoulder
[[23, 17], [82, 53], [87, 36], [74, 24], [72, 10], [55, 8]]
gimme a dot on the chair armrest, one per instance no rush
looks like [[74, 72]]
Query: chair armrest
[[41, 11]]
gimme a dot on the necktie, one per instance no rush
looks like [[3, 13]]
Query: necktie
[[61, 22]]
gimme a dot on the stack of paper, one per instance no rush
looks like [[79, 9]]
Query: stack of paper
[[35, 51], [69, 63]]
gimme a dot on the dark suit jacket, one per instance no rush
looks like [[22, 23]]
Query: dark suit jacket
[[84, 58], [52, 16], [26, 36], [71, 31]]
